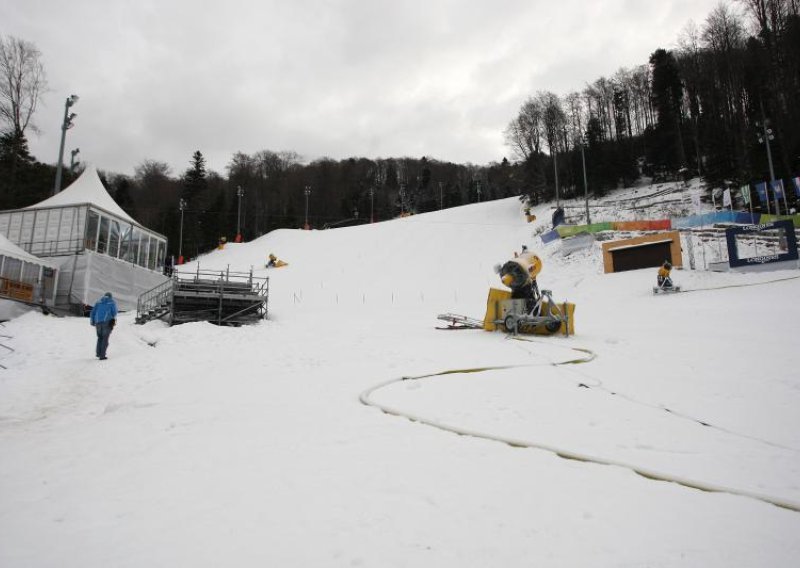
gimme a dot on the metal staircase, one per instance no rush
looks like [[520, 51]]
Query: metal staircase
[[156, 303]]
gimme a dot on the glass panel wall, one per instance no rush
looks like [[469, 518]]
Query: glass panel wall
[[40, 231], [144, 244], [30, 273], [102, 240], [14, 226], [136, 236], [125, 243], [113, 239], [11, 268], [162, 255], [26, 233], [92, 225], [152, 254]]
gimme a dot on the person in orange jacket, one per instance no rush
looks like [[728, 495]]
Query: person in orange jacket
[[664, 280]]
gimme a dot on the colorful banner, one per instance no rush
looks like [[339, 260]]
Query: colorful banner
[[745, 189], [550, 236], [726, 198], [796, 186], [777, 188], [761, 188]]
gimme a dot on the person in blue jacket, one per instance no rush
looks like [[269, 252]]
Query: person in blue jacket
[[103, 317]]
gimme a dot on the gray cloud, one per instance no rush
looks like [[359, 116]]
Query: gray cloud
[[341, 78]]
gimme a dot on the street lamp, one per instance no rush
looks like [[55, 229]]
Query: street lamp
[[555, 174], [72, 161], [764, 137], [307, 192], [65, 125], [371, 204], [181, 206], [581, 141], [239, 194]]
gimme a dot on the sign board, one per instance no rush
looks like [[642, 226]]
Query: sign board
[[779, 232]]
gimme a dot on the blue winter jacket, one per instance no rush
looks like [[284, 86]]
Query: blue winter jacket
[[104, 310]]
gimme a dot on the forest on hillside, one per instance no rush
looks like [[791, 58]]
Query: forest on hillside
[[700, 109], [706, 107]]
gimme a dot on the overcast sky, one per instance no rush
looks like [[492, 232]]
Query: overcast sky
[[336, 78]]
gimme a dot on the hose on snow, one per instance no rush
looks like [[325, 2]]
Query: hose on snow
[[365, 398]]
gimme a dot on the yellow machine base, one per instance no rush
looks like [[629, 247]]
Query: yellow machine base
[[494, 311]]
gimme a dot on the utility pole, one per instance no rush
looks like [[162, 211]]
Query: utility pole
[[307, 192], [66, 124], [555, 172], [239, 194], [181, 206], [585, 184], [764, 137], [372, 204]]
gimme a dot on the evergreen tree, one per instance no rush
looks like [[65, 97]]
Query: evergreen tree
[[194, 180], [667, 97]]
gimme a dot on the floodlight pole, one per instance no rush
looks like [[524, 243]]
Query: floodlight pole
[[585, 185], [371, 204], [239, 194], [72, 161], [555, 174], [764, 137], [66, 124], [181, 206], [307, 192]]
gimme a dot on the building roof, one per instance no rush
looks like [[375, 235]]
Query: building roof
[[86, 189]]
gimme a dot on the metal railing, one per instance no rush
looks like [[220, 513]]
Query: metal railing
[[223, 297], [154, 302]]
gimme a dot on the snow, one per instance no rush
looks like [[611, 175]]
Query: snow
[[201, 446]]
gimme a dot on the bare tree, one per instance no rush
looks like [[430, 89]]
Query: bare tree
[[22, 81], [524, 134], [553, 119]]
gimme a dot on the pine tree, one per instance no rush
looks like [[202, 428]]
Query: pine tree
[[194, 180]]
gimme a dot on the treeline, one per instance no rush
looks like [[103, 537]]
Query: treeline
[[273, 187], [278, 190], [699, 109]]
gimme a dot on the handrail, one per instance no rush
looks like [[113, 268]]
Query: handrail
[[153, 298]]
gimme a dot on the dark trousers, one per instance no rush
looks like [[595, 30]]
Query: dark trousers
[[103, 333]]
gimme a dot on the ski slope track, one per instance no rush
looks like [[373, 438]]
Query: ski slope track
[[202, 446]]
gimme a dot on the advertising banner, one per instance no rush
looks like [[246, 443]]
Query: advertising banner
[[790, 244], [761, 189]]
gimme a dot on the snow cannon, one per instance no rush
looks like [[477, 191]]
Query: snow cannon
[[523, 308], [520, 272]]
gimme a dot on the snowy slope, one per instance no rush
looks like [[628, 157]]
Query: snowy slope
[[206, 446]]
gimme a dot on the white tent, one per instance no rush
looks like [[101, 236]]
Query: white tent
[[96, 245], [26, 277], [88, 188]]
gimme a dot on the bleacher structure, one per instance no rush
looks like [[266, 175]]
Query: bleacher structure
[[219, 297]]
